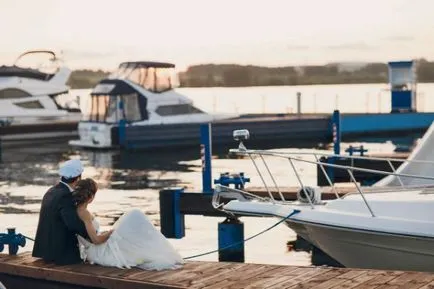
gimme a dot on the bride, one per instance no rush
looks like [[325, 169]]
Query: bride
[[132, 242]]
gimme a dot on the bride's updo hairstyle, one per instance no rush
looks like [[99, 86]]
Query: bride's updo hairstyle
[[84, 191]]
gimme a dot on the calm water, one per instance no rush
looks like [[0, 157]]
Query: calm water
[[133, 179]]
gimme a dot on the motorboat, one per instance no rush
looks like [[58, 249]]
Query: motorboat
[[29, 94], [142, 94], [389, 225], [34, 96], [139, 106]]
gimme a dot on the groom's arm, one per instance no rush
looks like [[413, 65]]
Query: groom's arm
[[70, 218]]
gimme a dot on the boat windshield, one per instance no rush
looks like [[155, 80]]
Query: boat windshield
[[105, 108], [155, 77]]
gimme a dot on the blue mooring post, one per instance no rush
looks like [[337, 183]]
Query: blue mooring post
[[13, 240], [231, 231], [336, 134], [172, 222], [205, 155]]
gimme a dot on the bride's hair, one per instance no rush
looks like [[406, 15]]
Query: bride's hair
[[84, 191]]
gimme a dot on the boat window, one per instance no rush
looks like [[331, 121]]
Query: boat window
[[94, 108], [104, 108], [13, 93], [103, 102], [177, 109], [98, 109], [113, 114], [131, 107], [35, 104]]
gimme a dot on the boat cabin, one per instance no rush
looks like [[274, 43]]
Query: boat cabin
[[127, 93]]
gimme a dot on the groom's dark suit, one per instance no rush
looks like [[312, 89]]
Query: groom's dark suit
[[58, 225]]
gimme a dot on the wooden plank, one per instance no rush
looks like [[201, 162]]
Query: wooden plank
[[304, 275], [325, 280], [203, 275], [353, 273], [430, 285], [412, 280], [382, 278], [357, 280], [267, 279], [220, 273], [188, 273], [71, 277], [246, 278], [123, 273], [290, 193], [91, 269], [187, 278]]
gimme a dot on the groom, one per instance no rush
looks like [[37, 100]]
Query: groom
[[56, 239]]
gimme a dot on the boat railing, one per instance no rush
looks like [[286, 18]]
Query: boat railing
[[294, 157]]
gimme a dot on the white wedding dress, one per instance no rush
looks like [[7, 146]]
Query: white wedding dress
[[135, 242]]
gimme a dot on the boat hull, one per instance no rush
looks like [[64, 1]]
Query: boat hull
[[368, 249], [16, 135]]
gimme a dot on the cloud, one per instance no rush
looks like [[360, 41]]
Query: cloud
[[400, 38], [297, 47], [351, 46], [73, 54]]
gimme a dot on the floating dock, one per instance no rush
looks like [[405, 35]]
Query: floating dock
[[23, 271]]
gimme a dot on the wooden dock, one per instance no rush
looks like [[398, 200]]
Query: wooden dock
[[24, 271], [290, 193]]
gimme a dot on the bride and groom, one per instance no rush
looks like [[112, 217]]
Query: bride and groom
[[68, 233]]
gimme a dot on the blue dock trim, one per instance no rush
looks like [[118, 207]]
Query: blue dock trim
[[382, 122]]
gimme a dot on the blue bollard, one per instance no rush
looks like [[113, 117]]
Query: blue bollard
[[172, 222], [237, 180], [231, 231], [13, 247], [13, 240]]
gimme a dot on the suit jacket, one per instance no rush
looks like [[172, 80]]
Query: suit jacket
[[56, 239]]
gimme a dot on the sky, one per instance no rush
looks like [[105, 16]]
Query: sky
[[101, 34]]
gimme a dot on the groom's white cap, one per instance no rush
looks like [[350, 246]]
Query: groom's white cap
[[71, 169]]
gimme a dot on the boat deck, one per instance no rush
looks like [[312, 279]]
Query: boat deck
[[24, 271]]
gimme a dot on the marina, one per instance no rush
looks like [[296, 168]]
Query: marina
[[233, 152]]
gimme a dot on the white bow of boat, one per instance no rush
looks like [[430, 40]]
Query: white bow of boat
[[387, 226]]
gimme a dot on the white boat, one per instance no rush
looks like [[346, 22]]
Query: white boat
[[142, 94], [387, 226], [29, 94], [34, 97]]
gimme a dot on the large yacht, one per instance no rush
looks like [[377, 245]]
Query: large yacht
[[34, 97], [143, 95]]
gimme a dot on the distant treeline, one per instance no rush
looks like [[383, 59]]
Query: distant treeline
[[86, 78], [232, 75]]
